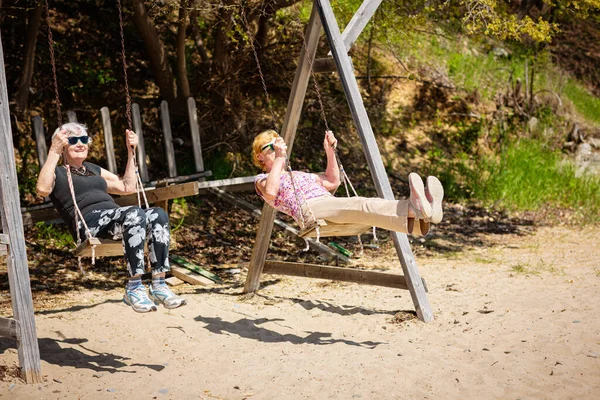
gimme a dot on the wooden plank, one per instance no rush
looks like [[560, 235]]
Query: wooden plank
[[161, 194], [12, 225], [174, 281], [290, 125], [194, 268], [4, 239], [239, 184], [183, 178], [141, 149], [335, 273], [358, 22], [195, 129], [327, 229], [367, 138], [190, 277], [320, 247], [71, 116], [8, 328], [108, 140], [168, 138], [40, 139]]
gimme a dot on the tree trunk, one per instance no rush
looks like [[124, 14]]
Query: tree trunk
[[23, 87], [182, 74], [220, 53], [196, 33], [156, 52]]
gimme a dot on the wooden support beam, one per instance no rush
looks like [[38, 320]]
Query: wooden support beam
[[3, 244], [335, 273], [290, 125], [240, 184], [168, 138], [12, 225], [324, 65], [367, 138], [9, 328], [141, 148], [320, 247], [109, 146], [195, 131]]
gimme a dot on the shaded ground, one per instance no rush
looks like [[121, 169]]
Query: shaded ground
[[214, 233]]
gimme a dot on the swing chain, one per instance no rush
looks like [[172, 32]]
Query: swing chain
[[53, 63], [124, 59]]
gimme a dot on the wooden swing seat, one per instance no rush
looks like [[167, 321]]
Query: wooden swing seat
[[327, 229], [104, 248]]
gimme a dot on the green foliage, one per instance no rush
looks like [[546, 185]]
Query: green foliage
[[586, 103], [528, 176], [56, 236]]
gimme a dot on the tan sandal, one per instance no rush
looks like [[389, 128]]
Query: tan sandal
[[435, 194], [418, 199]]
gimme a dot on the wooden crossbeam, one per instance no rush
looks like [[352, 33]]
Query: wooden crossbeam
[[239, 184], [335, 273], [47, 212]]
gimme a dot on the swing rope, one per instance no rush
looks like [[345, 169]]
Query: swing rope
[[288, 167], [78, 216], [345, 178], [139, 187]]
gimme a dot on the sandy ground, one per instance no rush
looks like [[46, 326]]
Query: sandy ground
[[517, 320]]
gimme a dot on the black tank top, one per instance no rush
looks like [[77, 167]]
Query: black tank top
[[91, 193]]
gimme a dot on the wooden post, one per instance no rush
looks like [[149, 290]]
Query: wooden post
[[141, 149], [361, 120], [40, 139], [290, 125], [71, 116], [195, 128], [12, 225], [108, 140], [168, 138]]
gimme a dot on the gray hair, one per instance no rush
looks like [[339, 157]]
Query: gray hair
[[72, 128]]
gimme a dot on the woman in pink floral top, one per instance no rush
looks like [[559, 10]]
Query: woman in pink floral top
[[312, 198]]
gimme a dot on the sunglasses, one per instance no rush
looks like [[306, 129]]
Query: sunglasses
[[268, 145], [73, 140]]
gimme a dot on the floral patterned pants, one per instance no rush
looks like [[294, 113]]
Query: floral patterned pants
[[134, 226]]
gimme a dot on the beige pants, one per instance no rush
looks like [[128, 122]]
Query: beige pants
[[373, 211]]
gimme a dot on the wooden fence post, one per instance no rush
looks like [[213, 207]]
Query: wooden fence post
[[168, 138], [195, 128], [141, 149], [108, 140]]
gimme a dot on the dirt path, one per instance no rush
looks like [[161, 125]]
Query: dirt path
[[516, 320]]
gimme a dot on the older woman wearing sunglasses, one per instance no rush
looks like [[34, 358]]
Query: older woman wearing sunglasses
[[104, 218], [308, 196]]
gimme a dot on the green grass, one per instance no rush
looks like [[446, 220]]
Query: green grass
[[586, 103], [528, 176]]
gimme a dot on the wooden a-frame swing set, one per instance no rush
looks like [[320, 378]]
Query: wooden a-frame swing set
[[322, 16], [12, 241]]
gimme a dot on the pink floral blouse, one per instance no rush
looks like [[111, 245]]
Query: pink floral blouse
[[307, 187]]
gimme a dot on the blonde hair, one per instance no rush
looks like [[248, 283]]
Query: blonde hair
[[259, 141]]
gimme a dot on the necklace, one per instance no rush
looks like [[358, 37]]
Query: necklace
[[78, 171]]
